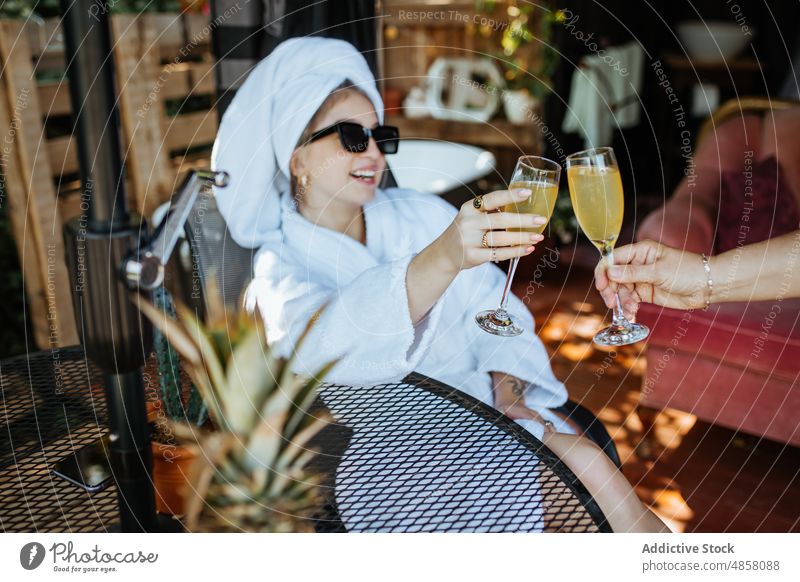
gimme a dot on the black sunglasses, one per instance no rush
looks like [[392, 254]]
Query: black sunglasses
[[354, 137]]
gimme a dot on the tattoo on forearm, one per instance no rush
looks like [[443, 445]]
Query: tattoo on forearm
[[518, 387]]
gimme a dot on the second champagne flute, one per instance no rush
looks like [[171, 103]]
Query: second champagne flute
[[541, 177], [595, 188]]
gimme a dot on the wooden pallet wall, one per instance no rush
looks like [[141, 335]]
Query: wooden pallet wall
[[162, 58], [31, 197], [163, 65]]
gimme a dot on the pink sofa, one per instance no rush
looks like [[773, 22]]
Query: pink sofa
[[737, 364]]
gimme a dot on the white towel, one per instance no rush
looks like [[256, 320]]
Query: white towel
[[263, 122], [602, 98]]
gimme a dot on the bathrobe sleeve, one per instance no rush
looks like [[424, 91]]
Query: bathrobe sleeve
[[523, 356], [366, 323]]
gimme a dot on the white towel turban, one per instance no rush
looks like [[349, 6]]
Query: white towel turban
[[263, 122]]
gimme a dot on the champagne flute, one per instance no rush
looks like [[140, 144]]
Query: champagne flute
[[541, 177], [595, 188]]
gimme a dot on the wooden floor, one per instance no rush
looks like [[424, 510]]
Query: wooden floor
[[706, 478]]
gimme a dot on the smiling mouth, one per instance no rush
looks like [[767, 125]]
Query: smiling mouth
[[364, 176]]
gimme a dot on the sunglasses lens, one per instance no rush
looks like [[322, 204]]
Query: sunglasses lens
[[387, 138], [353, 138]]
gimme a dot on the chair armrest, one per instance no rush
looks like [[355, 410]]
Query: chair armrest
[[680, 223]]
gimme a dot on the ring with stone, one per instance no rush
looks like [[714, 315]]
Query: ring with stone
[[477, 202]]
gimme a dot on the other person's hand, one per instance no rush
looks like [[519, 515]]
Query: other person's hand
[[650, 272]]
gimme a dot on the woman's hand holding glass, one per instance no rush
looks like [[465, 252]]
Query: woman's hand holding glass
[[462, 243], [461, 246], [535, 185]]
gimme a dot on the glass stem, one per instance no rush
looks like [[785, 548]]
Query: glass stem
[[511, 270], [618, 317]]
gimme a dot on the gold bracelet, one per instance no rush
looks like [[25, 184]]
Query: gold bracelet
[[709, 282]]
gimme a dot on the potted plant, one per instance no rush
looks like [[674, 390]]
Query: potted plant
[[171, 459], [250, 468], [527, 74]]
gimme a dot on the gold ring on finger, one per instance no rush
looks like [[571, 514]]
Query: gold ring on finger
[[484, 240], [477, 202]]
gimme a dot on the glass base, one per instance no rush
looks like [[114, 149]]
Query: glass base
[[497, 322], [621, 335]]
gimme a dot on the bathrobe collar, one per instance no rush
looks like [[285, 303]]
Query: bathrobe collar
[[337, 254]]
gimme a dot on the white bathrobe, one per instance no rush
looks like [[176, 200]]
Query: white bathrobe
[[367, 321]]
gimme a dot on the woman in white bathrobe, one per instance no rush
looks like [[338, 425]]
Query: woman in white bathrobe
[[402, 273]]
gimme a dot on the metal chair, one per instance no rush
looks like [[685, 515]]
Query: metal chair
[[209, 260]]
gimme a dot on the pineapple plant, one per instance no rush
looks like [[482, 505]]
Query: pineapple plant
[[250, 471]]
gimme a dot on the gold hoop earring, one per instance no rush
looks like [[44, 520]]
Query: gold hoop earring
[[302, 186]]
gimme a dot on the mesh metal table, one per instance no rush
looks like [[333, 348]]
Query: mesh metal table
[[51, 404], [405, 457]]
